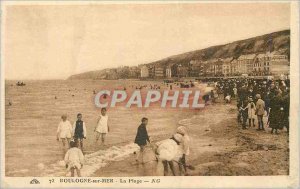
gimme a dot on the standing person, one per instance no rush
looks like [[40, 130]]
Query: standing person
[[267, 99], [244, 111], [64, 131], [142, 138], [260, 110], [212, 96], [234, 92], [251, 112], [74, 159], [102, 127], [185, 146], [275, 117], [286, 109], [79, 130], [239, 108]]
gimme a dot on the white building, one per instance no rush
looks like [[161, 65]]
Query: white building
[[144, 71], [245, 63], [168, 72]]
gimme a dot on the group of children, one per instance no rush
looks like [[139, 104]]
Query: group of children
[[168, 151], [74, 135]]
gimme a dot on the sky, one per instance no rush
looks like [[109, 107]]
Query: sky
[[56, 41]]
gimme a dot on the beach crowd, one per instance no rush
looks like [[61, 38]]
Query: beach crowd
[[257, 100]]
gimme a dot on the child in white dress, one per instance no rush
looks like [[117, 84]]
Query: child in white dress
[[74, 159], [64, 131], [251, 112], [168, 151], [102, 127]]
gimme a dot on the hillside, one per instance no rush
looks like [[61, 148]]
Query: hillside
[[277, 41]]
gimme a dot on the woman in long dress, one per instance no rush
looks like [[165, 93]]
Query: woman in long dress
[[275, 117]]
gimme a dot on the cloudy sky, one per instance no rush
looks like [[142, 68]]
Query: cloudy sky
[[56, 41]]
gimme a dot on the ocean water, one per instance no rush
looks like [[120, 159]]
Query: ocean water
[[31, 122]]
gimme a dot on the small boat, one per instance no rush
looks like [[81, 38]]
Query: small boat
[[20, 83]]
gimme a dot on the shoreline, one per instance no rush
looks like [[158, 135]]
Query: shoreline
[[214, 132], [223, 150]]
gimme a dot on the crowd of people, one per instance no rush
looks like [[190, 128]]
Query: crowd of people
[[257, 101], [257, 98]]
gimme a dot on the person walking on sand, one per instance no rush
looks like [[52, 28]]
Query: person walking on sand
[[79, 130], [74, 159], [64, 131], [260, 110], [142, 138], [102, 127]]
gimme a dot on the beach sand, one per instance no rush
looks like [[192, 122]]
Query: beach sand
[[223, 148], [218, 144]]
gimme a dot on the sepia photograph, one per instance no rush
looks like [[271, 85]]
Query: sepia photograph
[[137, 93]]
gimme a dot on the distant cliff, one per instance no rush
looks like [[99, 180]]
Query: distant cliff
[[277, 41]]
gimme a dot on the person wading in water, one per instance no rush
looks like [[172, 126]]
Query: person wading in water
[[79, 130], [142, 138]]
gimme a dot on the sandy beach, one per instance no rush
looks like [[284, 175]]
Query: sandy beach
[[218, 146], [223, 148]]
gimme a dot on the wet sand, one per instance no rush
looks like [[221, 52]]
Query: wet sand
[[219, 145], [222, 149], [32, 120]]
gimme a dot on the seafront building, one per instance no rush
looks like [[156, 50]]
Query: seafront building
[[245, 63], [182, 71], [261, 64], [279, 64], [159, 71], [233, 67], [144, 71], [169, 72], [226, 70], [196, 68]]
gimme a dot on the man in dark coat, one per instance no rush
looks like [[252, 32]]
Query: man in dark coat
[[142, 138], [276, 113]]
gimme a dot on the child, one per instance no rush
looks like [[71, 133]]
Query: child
[[251, 112], [74, 159], [234, 92], [64, 131], [168, 151], [79, 130], [184, 146], [142, 138], [228, 99], [102, 127]]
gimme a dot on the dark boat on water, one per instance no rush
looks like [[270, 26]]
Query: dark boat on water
[[20, 83]]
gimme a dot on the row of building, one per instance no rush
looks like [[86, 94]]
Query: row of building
[[250, 64]]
